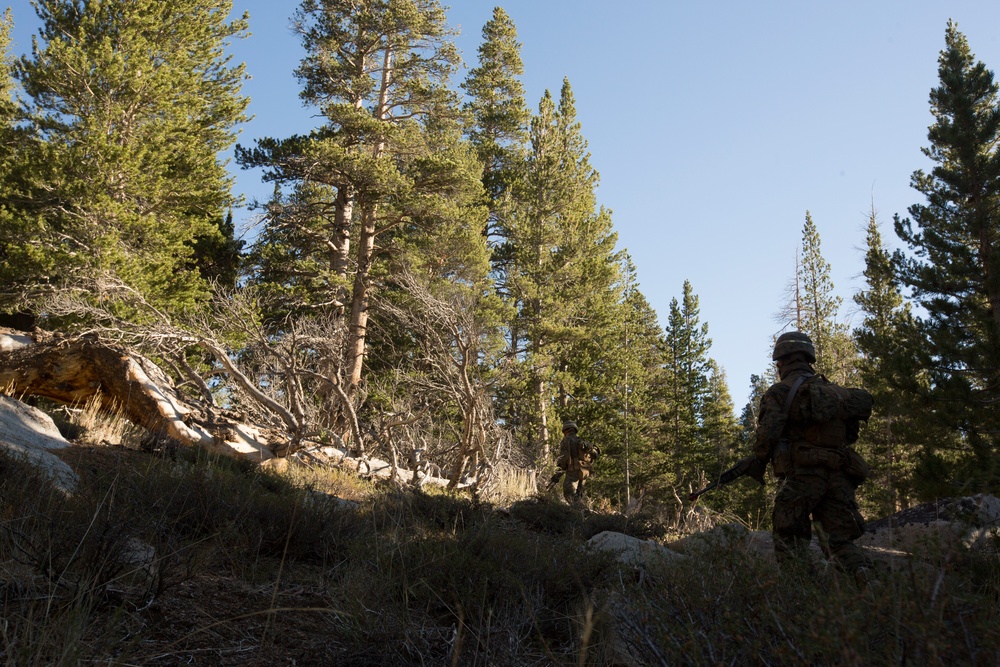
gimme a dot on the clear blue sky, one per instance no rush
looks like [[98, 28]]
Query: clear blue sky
[[715, 126]]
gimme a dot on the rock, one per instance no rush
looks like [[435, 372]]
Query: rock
[[31, 434], [726, 536], [631, 550], [141, 557], [970, 522]]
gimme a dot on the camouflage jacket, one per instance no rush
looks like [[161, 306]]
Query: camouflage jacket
[[822, 414], [575, 453], [771, 419]]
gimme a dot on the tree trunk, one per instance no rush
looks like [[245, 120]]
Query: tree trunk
[[75, 369]]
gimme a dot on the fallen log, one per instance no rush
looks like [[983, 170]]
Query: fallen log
[[75, 369]]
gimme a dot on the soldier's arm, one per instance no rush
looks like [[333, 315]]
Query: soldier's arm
[[562, 461], [770, 423]]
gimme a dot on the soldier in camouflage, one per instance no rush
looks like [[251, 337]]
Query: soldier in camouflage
[[805, 426], [576, 458]]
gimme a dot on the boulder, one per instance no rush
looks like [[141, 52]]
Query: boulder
[[728, 536], [630, 550], [971, 522], [31, 434]]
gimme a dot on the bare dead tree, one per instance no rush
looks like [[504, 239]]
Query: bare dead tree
[[450, 338], [273, 375]]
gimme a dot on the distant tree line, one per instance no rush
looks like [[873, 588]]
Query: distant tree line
[[434, 271]]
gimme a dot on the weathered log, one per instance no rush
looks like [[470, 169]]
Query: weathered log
[[76, 369]]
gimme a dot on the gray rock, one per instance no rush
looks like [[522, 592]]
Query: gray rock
[[31, 434], [970, 522], [631, 550]]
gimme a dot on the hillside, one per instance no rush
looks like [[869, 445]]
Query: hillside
[[177, 557]]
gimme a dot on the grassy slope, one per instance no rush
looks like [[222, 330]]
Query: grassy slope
[[252, 568]]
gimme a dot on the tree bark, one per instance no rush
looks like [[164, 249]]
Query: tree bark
[[75, 369]]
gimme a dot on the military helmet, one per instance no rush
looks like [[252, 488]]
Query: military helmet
[[791, 342], [569, 426]]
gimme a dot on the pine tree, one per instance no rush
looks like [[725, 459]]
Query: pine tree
[[387, 168], [16, 249], [19, 250], [688, 369], [814, 309], [719, 427], [499, 133], [626, 423], [7, 107], [500, 115], [732, 439], [887, 441], [613, 366], [127, 172], [563, 276], [953, 269], [386, 187]]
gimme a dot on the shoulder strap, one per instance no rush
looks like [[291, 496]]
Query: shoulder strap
[[795, 388]]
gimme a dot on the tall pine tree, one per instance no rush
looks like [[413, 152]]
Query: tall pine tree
[[887, 442], [384, 179], [16, 248], [563, 276], [626, 422], [952, 269], [688, 369], [500, 116]]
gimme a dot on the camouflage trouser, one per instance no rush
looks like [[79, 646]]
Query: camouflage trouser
[[826, 496], [573, 485]]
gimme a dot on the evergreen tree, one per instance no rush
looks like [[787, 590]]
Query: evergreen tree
[[719, 427], [759, 385], [219, 253], [130, 106], [385, 184], [626, 423], [814, 309], [563, 272], [688, 368], [499, 133], [16, 249], [887, 442], [8, 109], [732, 439], [953, 269], [614, 369], [500, 116]]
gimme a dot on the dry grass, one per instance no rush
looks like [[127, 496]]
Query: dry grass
[[95, 424], [183, 558]]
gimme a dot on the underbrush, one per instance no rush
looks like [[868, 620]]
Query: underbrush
[[186, 558], [731, 608]]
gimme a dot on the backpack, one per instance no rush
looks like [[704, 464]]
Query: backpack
[[825, 401]]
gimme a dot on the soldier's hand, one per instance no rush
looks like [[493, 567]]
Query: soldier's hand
[[757, 469]]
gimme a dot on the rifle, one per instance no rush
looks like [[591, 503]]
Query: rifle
[[555, 478], [751, 465]]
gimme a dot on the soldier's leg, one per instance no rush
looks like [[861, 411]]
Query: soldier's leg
[[798, 495], [570, 482], [581, 486], [838, 513]]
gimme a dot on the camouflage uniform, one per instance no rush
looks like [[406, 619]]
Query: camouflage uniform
[[809, 455], [576, 456]]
